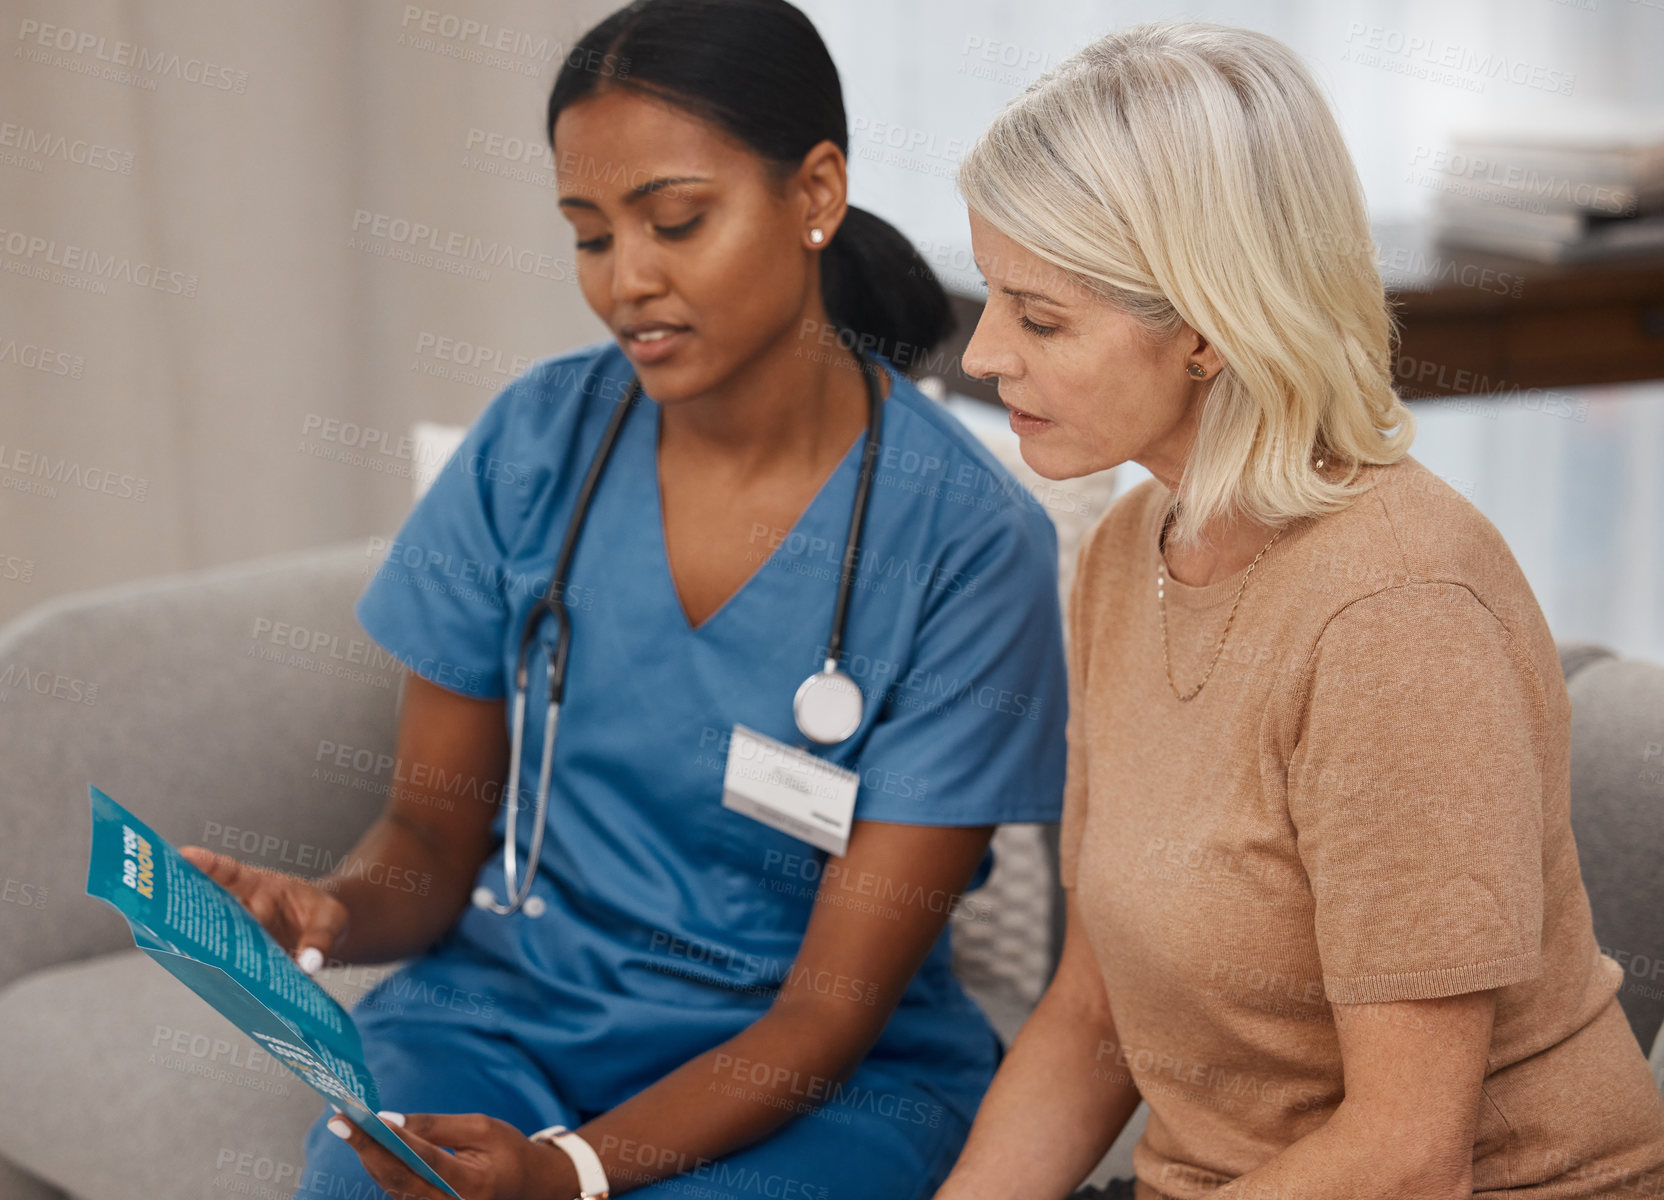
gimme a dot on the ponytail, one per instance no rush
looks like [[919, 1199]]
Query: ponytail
[[758, 70], [877, 288]]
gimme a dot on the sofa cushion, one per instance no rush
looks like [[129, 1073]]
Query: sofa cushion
[[173, 1100]]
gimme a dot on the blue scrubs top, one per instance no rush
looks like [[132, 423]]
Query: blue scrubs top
[[672, 921]]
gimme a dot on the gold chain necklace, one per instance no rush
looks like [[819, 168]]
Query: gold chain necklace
[[1161, 604]]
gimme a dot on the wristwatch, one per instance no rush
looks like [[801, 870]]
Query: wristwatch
[[592, 1178]]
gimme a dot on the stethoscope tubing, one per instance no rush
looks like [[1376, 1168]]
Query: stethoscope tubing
[[554, 600], [857, 518]]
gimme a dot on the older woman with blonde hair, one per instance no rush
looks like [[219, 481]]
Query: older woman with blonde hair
[[1324, 907]]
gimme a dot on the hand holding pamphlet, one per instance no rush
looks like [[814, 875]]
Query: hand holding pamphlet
[[206, 939]]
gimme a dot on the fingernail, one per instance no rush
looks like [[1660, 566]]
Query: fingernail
[[339, 1128], [392, 1118], [310, 959]]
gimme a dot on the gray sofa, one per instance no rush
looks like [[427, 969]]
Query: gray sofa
[[244, 708]]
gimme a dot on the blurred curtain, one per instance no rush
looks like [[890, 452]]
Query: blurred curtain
[[245, 246]]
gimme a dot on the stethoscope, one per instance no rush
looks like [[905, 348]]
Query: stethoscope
[[827, 706]]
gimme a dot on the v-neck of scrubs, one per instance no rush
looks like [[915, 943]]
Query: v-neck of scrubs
[[663, 554]]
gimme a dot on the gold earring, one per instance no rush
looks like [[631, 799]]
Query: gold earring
[[1198, 370], [816, 236]]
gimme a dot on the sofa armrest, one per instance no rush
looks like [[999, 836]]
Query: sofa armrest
[[211, 703]]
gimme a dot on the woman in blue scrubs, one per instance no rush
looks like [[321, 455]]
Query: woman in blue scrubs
[[716, 1007]]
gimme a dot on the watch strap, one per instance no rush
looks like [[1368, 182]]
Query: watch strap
[[592, 1177]]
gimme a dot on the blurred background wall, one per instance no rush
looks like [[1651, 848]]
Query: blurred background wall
[[214, 257], [245, 246]]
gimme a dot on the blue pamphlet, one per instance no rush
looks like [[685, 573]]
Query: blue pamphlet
[[207, 940]]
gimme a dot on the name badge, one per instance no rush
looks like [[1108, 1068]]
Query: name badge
[[790, 790]]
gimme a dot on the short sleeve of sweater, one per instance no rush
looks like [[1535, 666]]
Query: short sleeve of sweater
[[1416, 795]]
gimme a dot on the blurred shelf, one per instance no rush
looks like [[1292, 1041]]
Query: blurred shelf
[[1474, 321]]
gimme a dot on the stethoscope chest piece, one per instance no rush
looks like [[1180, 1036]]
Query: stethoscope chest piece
[[827, 706], [532, 906]]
